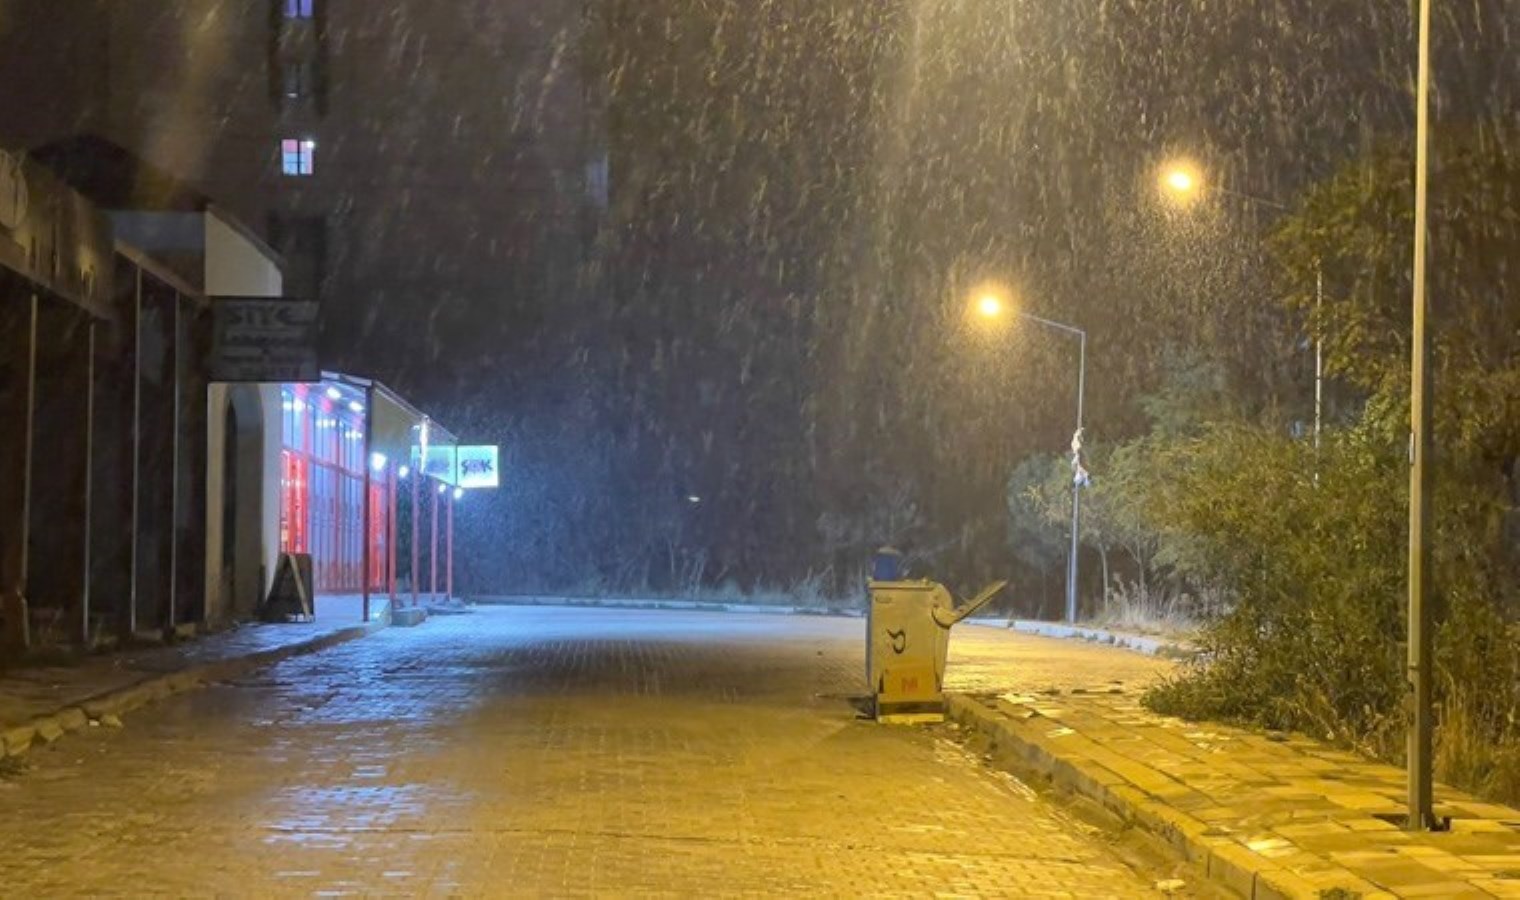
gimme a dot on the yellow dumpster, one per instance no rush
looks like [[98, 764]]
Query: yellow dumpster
[[907, 642]]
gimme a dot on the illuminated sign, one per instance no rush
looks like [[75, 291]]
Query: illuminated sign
[[441, 463], [478, 467]]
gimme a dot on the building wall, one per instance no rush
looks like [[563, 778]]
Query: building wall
[[55, 50], [237, 267], [452, 143]]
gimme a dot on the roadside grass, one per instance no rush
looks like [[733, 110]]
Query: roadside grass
[[1469, 755], [1135, 609], [1477, 732]]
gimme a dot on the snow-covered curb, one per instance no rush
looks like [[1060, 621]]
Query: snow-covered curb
[[1139, 643], [778, 609]]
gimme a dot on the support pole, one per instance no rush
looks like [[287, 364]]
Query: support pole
[[416, 527], [132, 563], [433, 551], [1072, 566], [173, 609], [366, 555], [89, 487], [23, 586], [392, 488], [448, 579], [1421, 801], [1319, 356]]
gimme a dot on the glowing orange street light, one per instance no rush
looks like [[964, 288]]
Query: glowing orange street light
[[1181, 182]]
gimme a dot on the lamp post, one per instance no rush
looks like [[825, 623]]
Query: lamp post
[[1182, 182], [990, 305], [1420, 649]]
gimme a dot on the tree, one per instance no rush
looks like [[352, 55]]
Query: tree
[[1036, 541]]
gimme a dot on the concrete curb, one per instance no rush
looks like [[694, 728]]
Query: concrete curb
[[17, 740], [654, 604], [1167, 648], [1227, 862]]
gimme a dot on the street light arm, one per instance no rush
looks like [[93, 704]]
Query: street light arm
[[1069, 329], [1251, 198]]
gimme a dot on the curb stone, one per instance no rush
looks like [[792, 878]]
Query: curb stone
[[1149, 645], [18, 739], [1227, 863]]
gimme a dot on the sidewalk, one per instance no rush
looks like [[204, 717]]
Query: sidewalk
[[1266, 815], [41, 704]]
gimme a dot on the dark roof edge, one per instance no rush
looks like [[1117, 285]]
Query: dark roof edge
[[362, 382]]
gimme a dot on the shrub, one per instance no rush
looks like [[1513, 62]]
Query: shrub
[[1311, 551]]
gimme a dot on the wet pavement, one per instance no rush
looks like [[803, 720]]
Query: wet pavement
[[519, 751], [32, 691]]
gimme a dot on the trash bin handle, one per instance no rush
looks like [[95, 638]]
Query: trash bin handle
[[948, 617]]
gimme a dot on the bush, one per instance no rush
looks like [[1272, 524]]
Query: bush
[[1315, 571]]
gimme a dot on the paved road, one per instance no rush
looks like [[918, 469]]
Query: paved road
[[557, 752]]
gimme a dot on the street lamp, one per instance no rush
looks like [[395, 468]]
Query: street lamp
[[1420, 719], [1421, 652], [1182, 183], [989, 304]]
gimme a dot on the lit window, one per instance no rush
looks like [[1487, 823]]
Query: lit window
[[298, 9], [296, 156]]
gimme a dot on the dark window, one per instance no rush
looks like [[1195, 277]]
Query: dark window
[[299, 9], [302, 240], [299, 81]]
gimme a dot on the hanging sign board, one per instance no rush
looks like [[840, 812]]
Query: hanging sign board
[[264, 339], [478, 467]]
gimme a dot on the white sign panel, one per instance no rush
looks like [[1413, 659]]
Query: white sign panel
[[478, 467]]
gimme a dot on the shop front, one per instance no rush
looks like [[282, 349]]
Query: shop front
[[349, 494]]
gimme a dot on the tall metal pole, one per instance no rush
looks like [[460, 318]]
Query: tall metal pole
[[173, 611], [23, 583], [1421, 812], [392, 488], [366, 555], [416, 526], [448, 578], [1072, 566], [1319, 356], [132, 563], [433, 551], [89, 487]]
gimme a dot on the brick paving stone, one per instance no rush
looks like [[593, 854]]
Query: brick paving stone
[[1267, 805], [38, 691], [533, 752]]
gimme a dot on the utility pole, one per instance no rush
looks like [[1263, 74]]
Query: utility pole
[[1319, 357], [1078, 478], [1421, 812]]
